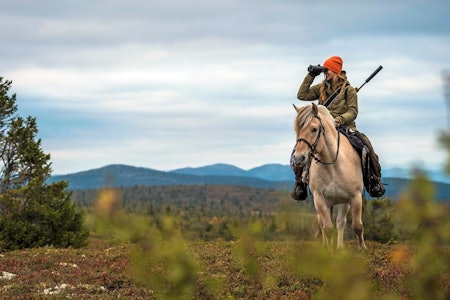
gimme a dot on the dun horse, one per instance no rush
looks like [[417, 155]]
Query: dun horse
[[335, 176]]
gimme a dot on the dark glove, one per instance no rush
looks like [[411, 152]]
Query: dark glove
[[338, 121], [315, 70]]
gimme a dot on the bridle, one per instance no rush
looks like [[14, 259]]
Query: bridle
[[314, 145]]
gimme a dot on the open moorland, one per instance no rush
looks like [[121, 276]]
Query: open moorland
[[206, 242], [244, 269]]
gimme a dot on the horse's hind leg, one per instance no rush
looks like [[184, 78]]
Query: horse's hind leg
[[341, 221], [357, 224]]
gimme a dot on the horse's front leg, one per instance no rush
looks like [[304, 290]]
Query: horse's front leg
[[341, 222], [324, 218], [322, 233], [357, 224]]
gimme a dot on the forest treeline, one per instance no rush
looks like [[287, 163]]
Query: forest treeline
[[209, 212]]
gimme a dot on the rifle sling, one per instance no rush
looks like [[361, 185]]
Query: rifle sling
[[331, 98]]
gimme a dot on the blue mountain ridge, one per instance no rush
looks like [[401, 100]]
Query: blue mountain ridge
[[271, 172], [279, 172], [271, 176]]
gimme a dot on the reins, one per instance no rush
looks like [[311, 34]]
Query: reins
[[313, 146]]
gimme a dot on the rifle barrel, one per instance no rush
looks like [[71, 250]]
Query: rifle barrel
[[370, 77], [374, 73]]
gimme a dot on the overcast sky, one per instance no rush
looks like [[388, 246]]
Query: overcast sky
[[187, 83]]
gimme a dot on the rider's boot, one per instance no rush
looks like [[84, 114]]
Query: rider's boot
[[376, 186], [299, 192]]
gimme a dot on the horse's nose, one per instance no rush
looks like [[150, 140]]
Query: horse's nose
[[299, 159]]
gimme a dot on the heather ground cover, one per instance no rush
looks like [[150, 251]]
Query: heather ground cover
[[244, 269]]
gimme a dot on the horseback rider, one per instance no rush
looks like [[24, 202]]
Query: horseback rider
[[344, 109]]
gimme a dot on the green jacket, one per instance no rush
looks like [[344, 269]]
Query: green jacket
[[345, 104]]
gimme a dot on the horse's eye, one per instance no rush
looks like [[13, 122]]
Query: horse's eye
[[314, 130]]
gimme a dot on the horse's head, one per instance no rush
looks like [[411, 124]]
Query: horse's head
[[310, 124]]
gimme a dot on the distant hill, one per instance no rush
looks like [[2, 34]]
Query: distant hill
[[279, 172], [270, 172], [124, 176], [270, 176], [216, 169]]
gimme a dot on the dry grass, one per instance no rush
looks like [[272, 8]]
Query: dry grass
[[245, 269]]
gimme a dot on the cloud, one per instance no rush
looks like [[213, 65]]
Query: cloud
[[168, 84]]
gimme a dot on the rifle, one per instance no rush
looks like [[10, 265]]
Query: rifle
[[370, 77], [336, 92]]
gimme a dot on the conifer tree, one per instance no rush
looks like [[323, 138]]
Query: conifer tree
[[32, 212]]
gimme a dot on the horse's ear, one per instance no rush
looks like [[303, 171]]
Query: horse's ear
[[315, 110], [296, 108]]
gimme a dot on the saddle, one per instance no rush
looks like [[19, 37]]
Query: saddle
[[369, 160]]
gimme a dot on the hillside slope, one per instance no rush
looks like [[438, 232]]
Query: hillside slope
[[126, 176]]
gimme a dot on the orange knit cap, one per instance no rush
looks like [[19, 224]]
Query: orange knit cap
[[334, 64]]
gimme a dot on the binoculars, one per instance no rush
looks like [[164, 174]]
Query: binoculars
[[317, 69]]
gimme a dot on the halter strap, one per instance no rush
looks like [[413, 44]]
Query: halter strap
[[313, 146]]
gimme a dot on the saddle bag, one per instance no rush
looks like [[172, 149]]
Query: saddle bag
[[369, 159]]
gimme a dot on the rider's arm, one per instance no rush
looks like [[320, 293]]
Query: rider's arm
[[307, 92]]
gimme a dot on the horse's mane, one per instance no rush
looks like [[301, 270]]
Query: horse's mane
[[305, 115]]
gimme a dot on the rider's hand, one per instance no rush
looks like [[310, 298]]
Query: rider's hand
[[338, 121], [314, 72]]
